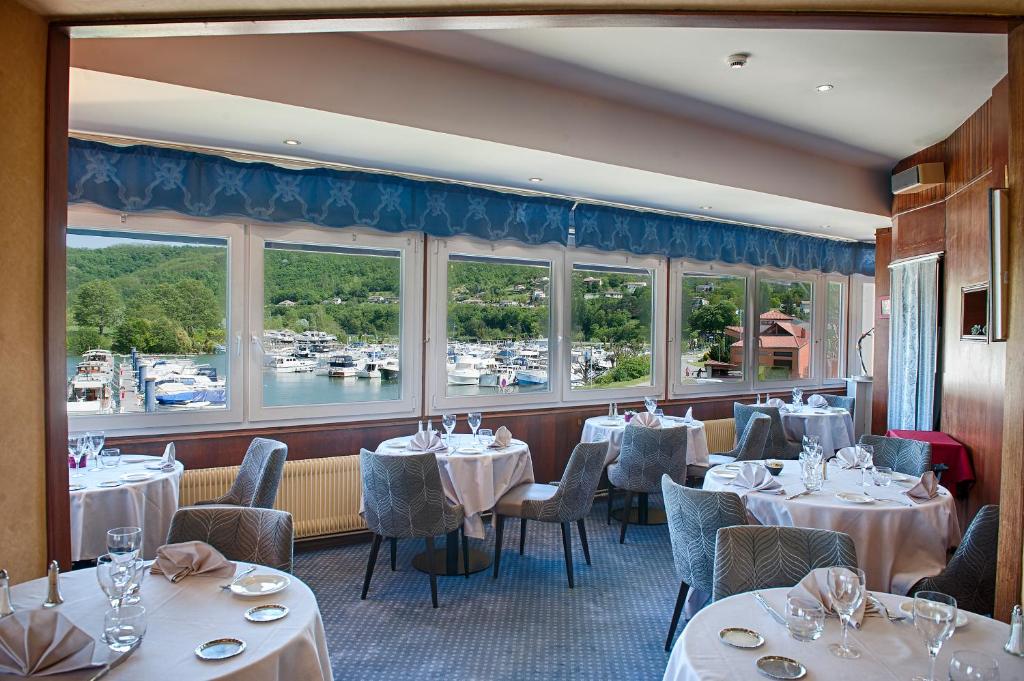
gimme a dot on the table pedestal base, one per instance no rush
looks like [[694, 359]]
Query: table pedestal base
[[448, 561], [643, 514]]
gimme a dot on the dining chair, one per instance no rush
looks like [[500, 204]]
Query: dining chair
[[970, 576], [900, 454], [778, 446], [253, 535], [403, 499], [567, 502], [694, 518], [259, 477], [752, 557], [646, 454], [841, 401], [752, 442]]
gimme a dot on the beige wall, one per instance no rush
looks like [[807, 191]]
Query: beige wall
[[22, 476]]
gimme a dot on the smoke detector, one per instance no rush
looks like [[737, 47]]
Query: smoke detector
[[738, 60]]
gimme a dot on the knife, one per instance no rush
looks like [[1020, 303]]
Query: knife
[[116, 661], [769, 609], [798, 495]]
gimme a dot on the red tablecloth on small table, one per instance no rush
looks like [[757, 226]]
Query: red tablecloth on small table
[[944, 450]]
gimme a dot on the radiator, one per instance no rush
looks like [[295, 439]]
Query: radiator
[[321, 494]]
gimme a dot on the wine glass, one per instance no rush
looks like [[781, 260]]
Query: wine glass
[[970, 665], [97, 439], [124, 626], [114, 577], [846, 587], [935, 620], [448, 421], [798, 397], [811, 441], [473, 419], [75, 445], [124, 543], [651, 404], [865, 460]]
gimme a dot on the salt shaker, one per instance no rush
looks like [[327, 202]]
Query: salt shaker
[[824, 469], [53, 597], [1015, 644], [5, 595]]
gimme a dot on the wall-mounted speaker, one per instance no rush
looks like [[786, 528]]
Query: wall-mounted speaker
[[999, 274]]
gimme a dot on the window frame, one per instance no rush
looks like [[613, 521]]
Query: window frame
[[844, 330], [814, 372]]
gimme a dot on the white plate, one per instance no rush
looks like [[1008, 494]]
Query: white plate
[[154, 466], [74, 487], [725, 475], [855, 497], [730, 466], [260, 585], [396, 445], [135, 459], [469, 450], [903, 477], [907, 607], [609, 422], [136, 477], [109, 483]]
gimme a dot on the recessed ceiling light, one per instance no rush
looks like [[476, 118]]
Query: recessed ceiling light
[[825, 87], [536, 179], [737, 60], [706, 207], [292, 143]]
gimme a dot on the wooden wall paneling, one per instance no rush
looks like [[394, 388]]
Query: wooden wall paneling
[[904, 202], [999, 131], [919, 231], [880, 369], [969, 150]]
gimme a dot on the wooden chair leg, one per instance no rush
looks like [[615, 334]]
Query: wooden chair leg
[[499, 539], [583, 539], [680, 599], [627, 509], [522, 535], [394, 552], [611, 496], [430, 568], [374, 548], [567, 547], [465, 555]]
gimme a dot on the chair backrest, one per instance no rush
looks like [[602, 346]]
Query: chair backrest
[[576, 490], [647, 454], [777, 446], [903, 456], [253, 535], [403, 496], [762, 557], [841, 401], [755, 437], [970, 577], [260, 475], [694, 518]]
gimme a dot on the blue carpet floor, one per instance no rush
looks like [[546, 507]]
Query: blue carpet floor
[[526, 625]]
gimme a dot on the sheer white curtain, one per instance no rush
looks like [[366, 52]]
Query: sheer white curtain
[[913, 343]]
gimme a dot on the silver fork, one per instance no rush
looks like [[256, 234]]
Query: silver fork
[[243, 573], [885, 610]]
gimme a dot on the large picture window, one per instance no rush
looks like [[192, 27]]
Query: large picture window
[[712, 313], [785, 310]]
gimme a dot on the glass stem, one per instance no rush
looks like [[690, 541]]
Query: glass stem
[[846, 627], [933, 654]]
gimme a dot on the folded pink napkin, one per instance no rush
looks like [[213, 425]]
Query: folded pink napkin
[[754, 476], [43, 642], [426, 441], [502, 438], [814, 586], [817, 401], [775, 402], [178, 561], [647, 420], [847, 457], [927, 488]]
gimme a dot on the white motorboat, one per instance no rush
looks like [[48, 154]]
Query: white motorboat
[[532, 376], [370, 369], [90, 394], [389, 369], [290, 364], [464, 371], [342, 366]]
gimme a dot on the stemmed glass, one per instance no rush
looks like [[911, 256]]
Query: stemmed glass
[[798, 397], [935, 620], [865, 460], [124, 543], [651, 404], [75, 446], [811, 441], [970, 665], [96, 440], [448, 421], [473, 419], [846, 586], [115, 577]]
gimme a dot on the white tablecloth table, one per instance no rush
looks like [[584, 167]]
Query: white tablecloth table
[[182, 616], [476, 481], [896, 545], [889, 651], [834, 428], [149, 504], [598, 428]]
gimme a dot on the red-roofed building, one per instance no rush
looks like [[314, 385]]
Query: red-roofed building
[[783, 347]]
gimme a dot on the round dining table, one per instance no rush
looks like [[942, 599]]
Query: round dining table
[[181, 617], [889, 650], [598, 428], [898, 541], [832, 425], [129, 495]]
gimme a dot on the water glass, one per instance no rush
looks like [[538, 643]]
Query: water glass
[[935, 620], [651, 404], [474, 418], [110, 457], [486, 436], [805, 618], [811, 441], [882, 476], [448, 421], [798, 397], [810, 473], [846, 587], [124, 543], [970, 665], [115, 578], [124, 626]]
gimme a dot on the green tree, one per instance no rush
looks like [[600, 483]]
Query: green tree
[[80, 340], [96, 303], [709, 321]]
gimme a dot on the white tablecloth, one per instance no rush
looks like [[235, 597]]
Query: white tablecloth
[[149, 504], [182, 616], [896, 545], [598, 428], [476, 481], [834, 429], [889, 651]]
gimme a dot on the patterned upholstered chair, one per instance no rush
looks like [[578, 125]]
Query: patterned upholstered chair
[[762, 557], [403, 498], [259, 477], [567, 502], [646, 455], [253, 535], [841, 401], [778, 447], [694, 518], [970, 577], [751, 444], [903, 456]]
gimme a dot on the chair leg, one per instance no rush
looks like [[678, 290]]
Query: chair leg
[[394, 552], [583, 539], [430, 568], [627, 508], [567, 547], [374, 548], [465, 555], [611, 495], [680, 599], [522, 535], [499, 539]]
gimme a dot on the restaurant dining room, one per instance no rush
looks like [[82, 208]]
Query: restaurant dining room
[[487, 341]]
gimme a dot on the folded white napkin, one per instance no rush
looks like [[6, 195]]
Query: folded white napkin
[[847, 457], [817, 401], [178, 561], [502, 438], [775, 402], [426, 441], [688, 417], [647, 420], [167, 460], [43, 642], [926, 488], [814, 586], [753, 476]]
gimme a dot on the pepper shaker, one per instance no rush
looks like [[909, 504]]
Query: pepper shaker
[[5, 595], [1015, 644], [53, 597]]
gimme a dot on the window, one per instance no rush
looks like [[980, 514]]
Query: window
[[712, 310], [784, 329], [835, 328]]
